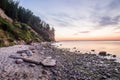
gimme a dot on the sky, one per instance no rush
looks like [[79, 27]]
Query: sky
[[79, 19]]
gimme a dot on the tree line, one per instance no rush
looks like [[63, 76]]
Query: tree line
[[20, 14]]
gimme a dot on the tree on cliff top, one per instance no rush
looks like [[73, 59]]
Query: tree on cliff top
[[20, 14]]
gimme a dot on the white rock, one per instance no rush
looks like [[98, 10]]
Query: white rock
[[32, 65], [49, 62], [41, 52], [19, 61], [23, 54]]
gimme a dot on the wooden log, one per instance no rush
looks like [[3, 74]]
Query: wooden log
[[25, 59]]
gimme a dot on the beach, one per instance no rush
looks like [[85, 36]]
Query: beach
[[62, 64]]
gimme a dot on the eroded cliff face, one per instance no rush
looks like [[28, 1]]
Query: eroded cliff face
[[4, 16], [51, 35], [13, 32]]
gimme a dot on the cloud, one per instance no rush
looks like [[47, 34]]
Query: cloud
[[106, 20], [83, 32], [106, 13], [62, 19], [116, 29], [115, 4]]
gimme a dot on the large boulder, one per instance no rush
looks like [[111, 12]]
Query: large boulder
[[103, 53], [49, 62]]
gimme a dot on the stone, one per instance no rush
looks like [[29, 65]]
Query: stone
[[114, 55], [29, 52], [29, 42], [20, 51], [74, 47], [78, 51], [49, 62], [42, 53], [92, 50], [108, 54], [103, 53], [32, 65], [60, 44], [19, 61], [34, 51], [31, 48], [75, 50], [23, 54], [44, 72]]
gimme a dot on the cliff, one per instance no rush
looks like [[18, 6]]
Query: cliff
[[14, 32], [4, 16]]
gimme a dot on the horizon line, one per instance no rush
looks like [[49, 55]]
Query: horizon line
[[87, 40]]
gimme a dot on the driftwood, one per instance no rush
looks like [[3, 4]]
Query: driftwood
[[25, 59]]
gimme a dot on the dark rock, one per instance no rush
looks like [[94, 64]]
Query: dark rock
[[34, 51], [29, 42], [103, 53], [78, 51], [103, 78], [74, 48], [108, 54], [114, 55], [44, 72], [29, 52], [118, 69], [20, 51], [92, 50]]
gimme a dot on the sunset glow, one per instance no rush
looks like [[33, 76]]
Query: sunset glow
[[79, 19]]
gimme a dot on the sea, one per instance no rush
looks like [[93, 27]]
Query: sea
[[111, 47]]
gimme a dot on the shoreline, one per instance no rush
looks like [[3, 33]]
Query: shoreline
[[109, 47], [69, 65]]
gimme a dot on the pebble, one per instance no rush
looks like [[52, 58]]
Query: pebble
[[29, 52], [23, 54], [32, 65], [19, 61]]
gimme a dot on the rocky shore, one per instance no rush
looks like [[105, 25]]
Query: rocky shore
[[54, 64]]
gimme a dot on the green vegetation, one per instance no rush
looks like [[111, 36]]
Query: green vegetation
[[25, 26], [11, 32]]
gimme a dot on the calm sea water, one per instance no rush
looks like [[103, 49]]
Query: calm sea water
[[112, 47]]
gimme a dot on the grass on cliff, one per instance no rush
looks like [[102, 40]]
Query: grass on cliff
[[10, 33]]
